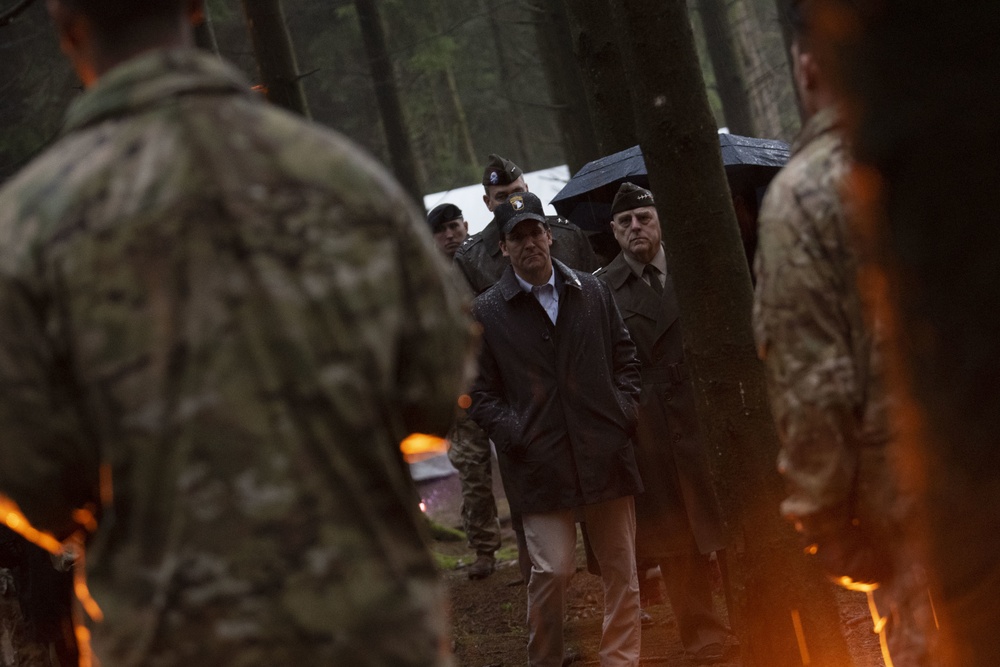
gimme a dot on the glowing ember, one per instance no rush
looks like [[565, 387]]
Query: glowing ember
[[423, 506], [419, 447]]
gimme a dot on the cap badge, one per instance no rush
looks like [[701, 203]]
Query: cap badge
[[517, 203], [494, 177]]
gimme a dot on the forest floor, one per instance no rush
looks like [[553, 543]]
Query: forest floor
[[488, 615]]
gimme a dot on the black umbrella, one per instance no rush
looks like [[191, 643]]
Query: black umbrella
[[586, 199]]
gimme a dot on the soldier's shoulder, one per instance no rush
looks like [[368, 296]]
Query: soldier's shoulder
[[559, 222], [599, 273]]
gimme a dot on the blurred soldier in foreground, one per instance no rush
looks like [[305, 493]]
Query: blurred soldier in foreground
[[678, 519], [469, 447], [480, 259], [823, 364], [557, 392], [217, 322]]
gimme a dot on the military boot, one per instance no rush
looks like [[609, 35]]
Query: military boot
[[483, 567]]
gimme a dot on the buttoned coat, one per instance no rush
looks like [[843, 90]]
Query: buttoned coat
[[678, 513], [559, 401]]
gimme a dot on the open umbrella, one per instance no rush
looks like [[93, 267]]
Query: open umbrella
[[586, 199]]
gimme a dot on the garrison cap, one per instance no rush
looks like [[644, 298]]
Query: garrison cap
[[441, 214], [630, 196], [500, 171], [519, 207]]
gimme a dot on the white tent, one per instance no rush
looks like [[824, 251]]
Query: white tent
[[545, 183]]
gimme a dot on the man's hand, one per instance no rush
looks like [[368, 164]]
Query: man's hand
[[844, 547]]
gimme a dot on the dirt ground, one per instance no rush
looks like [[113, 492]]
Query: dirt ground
[[488, 615]]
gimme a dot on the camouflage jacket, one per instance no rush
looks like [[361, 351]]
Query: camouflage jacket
[[811, 329], [482, 263], [217, 322]]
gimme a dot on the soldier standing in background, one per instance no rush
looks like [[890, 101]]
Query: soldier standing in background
[[469, 447], [678, 520], [217, 323], [824, 373], [480, 260]]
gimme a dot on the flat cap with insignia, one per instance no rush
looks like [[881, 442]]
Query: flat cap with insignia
[[630, 196], [518, 208], [500, 171], [441, 214]]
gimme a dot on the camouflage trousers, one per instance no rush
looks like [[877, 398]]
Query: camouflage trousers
[[469, 452]]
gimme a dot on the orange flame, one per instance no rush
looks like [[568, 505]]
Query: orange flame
[[13, 518], [418, 447]]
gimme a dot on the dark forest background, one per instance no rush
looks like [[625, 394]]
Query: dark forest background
[[474, 77]]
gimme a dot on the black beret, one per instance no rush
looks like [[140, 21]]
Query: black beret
[[630, 196], [441, 214], [518, 207], [500, 171]]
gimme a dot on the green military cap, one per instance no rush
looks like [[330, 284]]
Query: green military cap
[[500, 171], [630, 196]]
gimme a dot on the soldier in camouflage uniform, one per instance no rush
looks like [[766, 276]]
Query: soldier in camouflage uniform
[[469, 446], [825, 382], [217, 322]]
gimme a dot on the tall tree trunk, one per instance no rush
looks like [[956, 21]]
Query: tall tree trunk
[[525, 157], [272, 45], [769, 86], [555, 46], [924, 104], [785, 613], [397, 135], [596, 49], [461, 121], [725, 64]]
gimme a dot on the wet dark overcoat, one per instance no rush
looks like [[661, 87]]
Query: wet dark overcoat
[[559, 401], [678, 512]]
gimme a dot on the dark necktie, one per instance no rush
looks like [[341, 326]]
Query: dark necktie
[[652, 274]]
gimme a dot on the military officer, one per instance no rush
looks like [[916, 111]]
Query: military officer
[[678, 518]]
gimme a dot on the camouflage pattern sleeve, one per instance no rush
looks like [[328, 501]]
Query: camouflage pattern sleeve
[[48, 443], [437, 305], [805, 315]]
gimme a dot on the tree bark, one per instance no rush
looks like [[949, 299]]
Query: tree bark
[[272, 47], [397, 135], [926, 142], [562, 76], [783, 610], [773, 103], [600, 63], [461, 121], [725, 64]]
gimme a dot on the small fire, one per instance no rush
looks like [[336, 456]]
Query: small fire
[[419, 447]]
